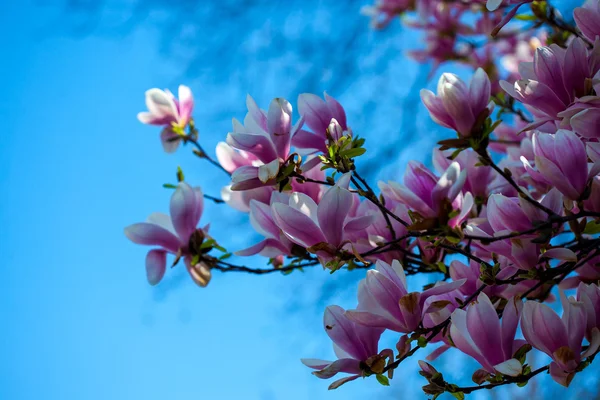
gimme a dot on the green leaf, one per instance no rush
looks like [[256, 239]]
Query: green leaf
[[207, 243], [453, 240], [383, 379], [591, 228], [220, 248], [442, 267], [180, 176], [458, 395], [525, 17], [351, 153], [169, 186], [225, 256]]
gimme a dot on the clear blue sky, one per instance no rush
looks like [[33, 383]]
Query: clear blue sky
[[77, 319]]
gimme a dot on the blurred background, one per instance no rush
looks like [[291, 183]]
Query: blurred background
[[77, 318]]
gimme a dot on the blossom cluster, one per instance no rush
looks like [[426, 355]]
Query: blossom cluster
[[509, 212]]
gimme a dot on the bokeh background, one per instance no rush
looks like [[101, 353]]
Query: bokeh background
[[77, 318]]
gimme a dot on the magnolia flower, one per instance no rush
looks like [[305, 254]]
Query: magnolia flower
[[561, 159], [384, 300], [479, 333], [469, 273], [261, 218], [478, 177], [308, 224], [458, 106], [429, 195], [354, 345], [176, 235], [560, 338], [266, 136], [592, 203], [378, 231], [554, 79], [583, 116], [165, 110], [321, 117], [589, 295], [587, 19]]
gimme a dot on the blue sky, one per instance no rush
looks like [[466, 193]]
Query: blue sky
[[78, 318]]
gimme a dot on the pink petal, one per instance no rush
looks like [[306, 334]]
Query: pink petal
[[484, 327], [560, 253], [186, 104], [279, 123], [185, 211], [510, 367], [341, 331], [332, 212], [151, 234], [156, 265], [297, 226]]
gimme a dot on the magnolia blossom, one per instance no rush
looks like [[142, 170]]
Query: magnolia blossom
[[479, 333], [353, 344], [176, 235], [562, 161], [554, 79], [589, 295], [309, 224], [323, 118], [378, 231], [478, 177], [583, 116], [266, 136], [587, 19], [560, 338], [458, 106], [261, 218], [165, 110], [384, 300], [430, 196]]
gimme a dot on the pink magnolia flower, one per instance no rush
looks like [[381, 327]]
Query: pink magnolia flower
[[479, 333], [261, 218], [587, 19], [354, 345], [321, 117], [176, 235], [592, 203], [266, 136], [378, 231], [308, 224], [504, 215], [458, 106], [589, 295], [429, 195], [562, 160], [470, 274], [554, 79], [560, 338], [583, 116], [165, 110], [384, 300], [478, 177], [587, 273]]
